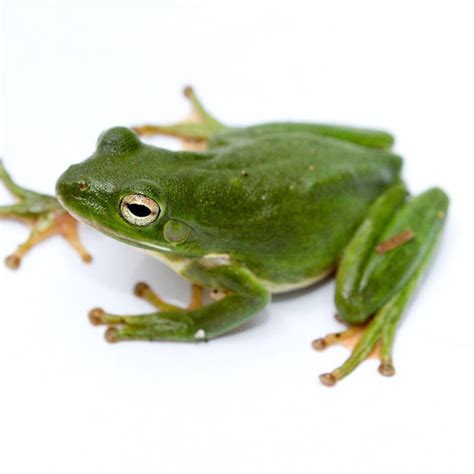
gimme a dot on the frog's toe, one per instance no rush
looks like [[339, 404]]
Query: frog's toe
[[13, 262], [67, 227], [328, 379], [348, 338], [111, 334], [386, 368], [143, 290], [96, 316], [149, 327]]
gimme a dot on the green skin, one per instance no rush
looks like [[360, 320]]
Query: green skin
[[264, 209]]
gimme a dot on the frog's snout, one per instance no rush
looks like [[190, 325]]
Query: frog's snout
[[71, 186]]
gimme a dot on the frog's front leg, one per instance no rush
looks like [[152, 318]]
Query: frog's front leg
[[45, 216], [244, 297], [200, 126], [380, 269]]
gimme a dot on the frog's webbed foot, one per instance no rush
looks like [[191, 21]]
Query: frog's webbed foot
[[241, 297], [370, 340], [98, 316], [197, 129], [43, 214], [348, 338]]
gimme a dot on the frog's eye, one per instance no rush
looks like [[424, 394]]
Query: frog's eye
[[139, 209]]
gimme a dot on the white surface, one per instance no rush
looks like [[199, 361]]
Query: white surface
[[249, 402]]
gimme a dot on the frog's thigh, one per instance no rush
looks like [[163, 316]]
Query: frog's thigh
[[245, 297], [382, 267], [386, 252]]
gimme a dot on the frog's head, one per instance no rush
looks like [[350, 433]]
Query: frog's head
[[122, 191]]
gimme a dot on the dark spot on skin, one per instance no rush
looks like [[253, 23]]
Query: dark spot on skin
[[83, 186], [244, 173], [338, 334]]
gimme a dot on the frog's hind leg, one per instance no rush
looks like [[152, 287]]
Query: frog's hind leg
[[43, 214], [380, 270], [198, 128]]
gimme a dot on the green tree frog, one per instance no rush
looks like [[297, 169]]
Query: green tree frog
[[257, 210]]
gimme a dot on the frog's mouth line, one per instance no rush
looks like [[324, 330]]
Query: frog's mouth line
[[125, 240], [110, 233], [116, 236]]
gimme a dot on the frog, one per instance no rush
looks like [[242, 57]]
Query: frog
[[245, 213]]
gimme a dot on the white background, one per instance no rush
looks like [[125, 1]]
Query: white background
[[251, 401]]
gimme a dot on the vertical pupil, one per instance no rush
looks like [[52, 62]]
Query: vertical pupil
[[139, 210]]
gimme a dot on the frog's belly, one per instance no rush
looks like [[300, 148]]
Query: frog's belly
[[180, 264], [285, 287]]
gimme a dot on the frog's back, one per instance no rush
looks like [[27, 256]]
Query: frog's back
[[361, 136], [287, 204], [295, 154]]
